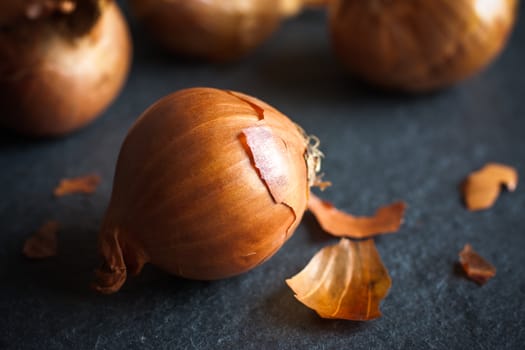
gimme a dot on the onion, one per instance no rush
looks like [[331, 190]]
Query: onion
[[214, 29], [60, 70], [209, 184], [419, 45]]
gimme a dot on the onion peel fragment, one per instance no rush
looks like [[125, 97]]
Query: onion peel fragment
[[344, 281], [482, 187], [43, 243], [387, 219], [475, 266], [82, 184]]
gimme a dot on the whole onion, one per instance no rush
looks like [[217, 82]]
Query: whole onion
[[61, 67], [209, 184], [214, 29], [419, 45]]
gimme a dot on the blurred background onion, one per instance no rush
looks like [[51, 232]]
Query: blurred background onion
[[419, 45]]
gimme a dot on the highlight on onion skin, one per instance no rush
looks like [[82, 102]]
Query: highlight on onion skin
[[209, 184], [214, 30], [60, 71], [419, 45], [12, 11]]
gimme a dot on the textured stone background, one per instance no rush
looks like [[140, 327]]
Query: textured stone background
[[379, 148]]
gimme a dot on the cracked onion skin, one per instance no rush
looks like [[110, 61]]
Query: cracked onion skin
[[188, 197], [214, 30], [419, 45], [60, 72]]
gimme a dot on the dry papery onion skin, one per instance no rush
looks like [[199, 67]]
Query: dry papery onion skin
[[482, 187], [214, 30], [59, 72], [197, 195], [419, 45], [86, 184], [344, 281], [475, 266], [387, 219]]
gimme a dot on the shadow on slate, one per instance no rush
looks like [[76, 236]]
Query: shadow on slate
[[315, 232], [71, 272], [285, 311], [67, 273], [10, 140]]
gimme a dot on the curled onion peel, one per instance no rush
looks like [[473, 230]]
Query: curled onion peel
[[482, 187], [386, 219], [60, 71], [209, 184], [344, 281]]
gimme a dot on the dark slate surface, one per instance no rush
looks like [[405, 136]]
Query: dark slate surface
[[379, 148]]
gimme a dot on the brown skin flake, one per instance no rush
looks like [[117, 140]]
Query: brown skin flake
[[482, 187], [475, 266], [43, 243], [387, 219], [82, 184], [344, 281]]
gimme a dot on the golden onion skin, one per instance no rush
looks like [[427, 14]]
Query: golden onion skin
[[187, 196], [54, 81], [419, 45], [215, 30]]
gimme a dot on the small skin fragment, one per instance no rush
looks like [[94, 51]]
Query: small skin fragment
[[82, 184], [344, 281], [43, 243], [322, 185], [482, 187], [475, 266], [387, 219]]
